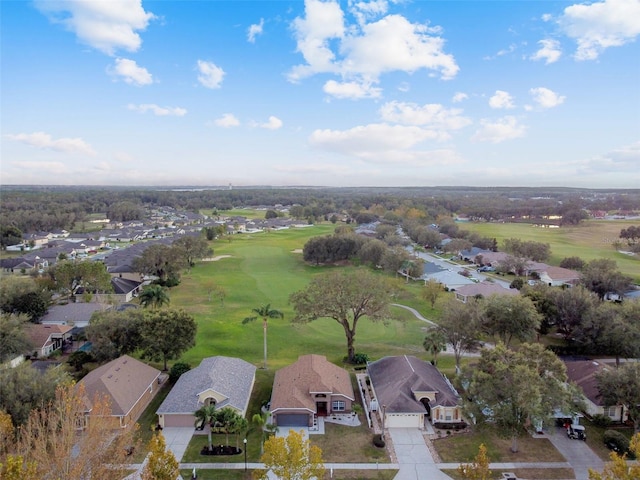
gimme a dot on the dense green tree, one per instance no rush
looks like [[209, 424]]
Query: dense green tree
[[166, 334], [571, 306], [346, 297], [543, 298], [621, 386], [13, 338], [509, 317], [154, 296], [602, 276], [92, 276], [460, 324], [24, 295], [161, 261], [371, 252], [192, 248], [432, 291], [572, 263], [9, 235], [516, 387], [265, 312], [177, 369], [114, 334], [24, 388], [291, 458], [536, 251]]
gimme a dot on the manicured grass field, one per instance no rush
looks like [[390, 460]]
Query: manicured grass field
[[266, 268], [590, 240]]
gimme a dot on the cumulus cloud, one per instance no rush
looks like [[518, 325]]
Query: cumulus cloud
[[430, 114], [459, 97], [130, 72], [501, 100], [210, 75], [254, 30], [107, 26], [546, 98], [274, 123], [549, 51], [506, 128], [157, 110], [361, 52], [352, 90], [601, 25], [227, 120], [47, 142]]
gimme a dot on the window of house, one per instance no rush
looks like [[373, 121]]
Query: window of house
[[338, 406], [611, 412], [210, 401]]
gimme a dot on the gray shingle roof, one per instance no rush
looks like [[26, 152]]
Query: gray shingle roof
[[231, 377], [395, 379]]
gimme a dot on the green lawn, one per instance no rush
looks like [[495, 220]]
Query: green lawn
[[590, 240]]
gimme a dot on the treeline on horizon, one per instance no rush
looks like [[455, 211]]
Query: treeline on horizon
[[45, 208]]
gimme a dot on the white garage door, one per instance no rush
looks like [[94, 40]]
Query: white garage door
[[399, 420]]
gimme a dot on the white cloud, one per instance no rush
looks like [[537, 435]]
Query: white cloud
[[274, 123], [227, 120], [625, 159], [255, 30], [459, 97], [45, 141], [324, 21], [157, 110], [601, 25], [352, 90], [371, 138], [549, 51], [361, 52], [130, 72], [431, 114], [546, 98], [506, 128], [210, 74], [368, 10], [105, 25], [501, 99]]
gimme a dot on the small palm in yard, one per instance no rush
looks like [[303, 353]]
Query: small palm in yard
[[154, 296], [434, 343], [206, 414], [265, 312]]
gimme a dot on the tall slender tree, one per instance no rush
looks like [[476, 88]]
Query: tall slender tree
[[154, 296], [434, 343], [206, 414], [265, 312]]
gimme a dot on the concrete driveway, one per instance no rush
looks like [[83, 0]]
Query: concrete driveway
[[413, 456], [577, 453], [178, 439]]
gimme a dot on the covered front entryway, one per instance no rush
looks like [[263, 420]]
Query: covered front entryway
[[321, 409], [292, 420]]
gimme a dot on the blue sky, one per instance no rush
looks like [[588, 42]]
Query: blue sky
[[349, 93]]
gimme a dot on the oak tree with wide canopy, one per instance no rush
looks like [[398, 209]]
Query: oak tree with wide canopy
[[346, 297]]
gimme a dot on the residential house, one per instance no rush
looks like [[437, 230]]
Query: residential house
[[310, 387], [48, 338], [128, 384], [72, 314], [225, 382], [482, 289], [583, 374], [554, 276], [490, 259], [409, 392]]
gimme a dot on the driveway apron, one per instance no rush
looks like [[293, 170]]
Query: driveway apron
[[178, 439], [577, 453], [413, 456]]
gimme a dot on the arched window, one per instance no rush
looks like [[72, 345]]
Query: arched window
[[210, 401]]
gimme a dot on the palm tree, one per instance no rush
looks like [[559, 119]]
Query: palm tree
[[265, 312], [206, 414], [434, 342], [154, 296], [260, 420]]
